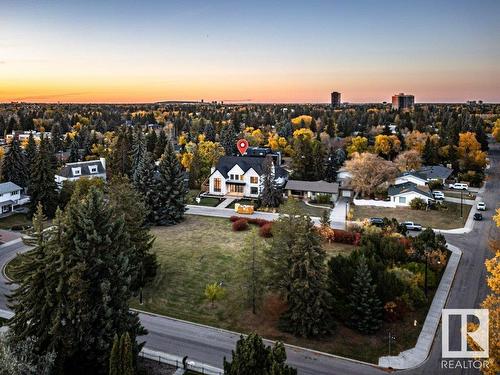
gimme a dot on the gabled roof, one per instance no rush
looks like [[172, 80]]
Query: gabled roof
[[435, 171], [9, 187], [407, 187], [226, 163], [67, 169], [313, 186]]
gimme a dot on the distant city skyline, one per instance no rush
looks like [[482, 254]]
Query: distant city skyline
[[259, 51]]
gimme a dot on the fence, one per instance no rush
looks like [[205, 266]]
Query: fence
[[372, 202], [176, 361]]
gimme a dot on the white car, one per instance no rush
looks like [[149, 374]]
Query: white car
[[410, 225], [459, 186], [481, 206], [438, 195]]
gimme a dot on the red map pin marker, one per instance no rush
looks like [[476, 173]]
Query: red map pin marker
[[242, 146]]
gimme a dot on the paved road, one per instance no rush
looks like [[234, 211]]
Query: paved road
[[209, 345]]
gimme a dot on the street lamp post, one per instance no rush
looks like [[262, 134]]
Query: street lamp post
[[426, 265], [391, 338], [461, 205]]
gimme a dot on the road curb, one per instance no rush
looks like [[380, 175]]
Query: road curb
[[417, 355], [238, 334]]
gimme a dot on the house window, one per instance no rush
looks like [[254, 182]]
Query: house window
[[14, 193], [254, 180], [76, 171], [93, 169], [402, 199], [241, 177], [217, 185], [254, 190]]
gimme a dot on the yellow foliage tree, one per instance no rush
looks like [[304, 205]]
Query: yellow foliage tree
[[357, 144], [387, 144], [186, 160], [303, 133], [496, 130], [469, 151]]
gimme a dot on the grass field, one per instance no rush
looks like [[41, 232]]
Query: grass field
[[14, 220], [203, 250], [446, 219]]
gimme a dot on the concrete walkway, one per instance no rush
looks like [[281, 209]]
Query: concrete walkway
[[339, 213], [226, 202], [417, 355]]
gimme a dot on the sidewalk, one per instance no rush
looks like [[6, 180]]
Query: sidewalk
[[226, 202], [417, 355]]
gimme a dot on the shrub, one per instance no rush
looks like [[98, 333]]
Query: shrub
[[259, 222], [418, 204], [323, 198], [265, 230], [240, 225], [435, 184], [344, 236]]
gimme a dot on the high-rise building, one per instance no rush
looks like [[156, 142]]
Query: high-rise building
[[335, 99], [402, 101]]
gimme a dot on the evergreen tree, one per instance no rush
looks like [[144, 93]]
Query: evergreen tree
[[228, 140], [331, 167], [271, 196], [56, 137], [74, 153], [115, 357], [364, 303], [129, 204], [31, 152], [14, 165], [252, 357], [209, 132], [161, 143], [318, 158], [170, 189], [151, 139], [127, 362], [43, 187], [307, 314], [429, 153], [145, 183], [138, 149], [120, 163]]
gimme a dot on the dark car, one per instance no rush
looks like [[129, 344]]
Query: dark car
[[377, 221], [478, 216]]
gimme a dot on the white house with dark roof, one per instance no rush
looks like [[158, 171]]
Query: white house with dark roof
[[10, 196], [402, 194], [87, 169], [241, 176]]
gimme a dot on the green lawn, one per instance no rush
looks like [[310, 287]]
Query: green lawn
[[203, 250], [456, 194], [312, 211], [443, 219], [14, 220]]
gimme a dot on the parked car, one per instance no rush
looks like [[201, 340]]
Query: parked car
[[438, 195], [478, 216], [410, 225], [481, 206], [459, 186], [377, 221]]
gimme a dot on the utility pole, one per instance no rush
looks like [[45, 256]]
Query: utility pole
[[461, 205], [391, 337], [426, 265]]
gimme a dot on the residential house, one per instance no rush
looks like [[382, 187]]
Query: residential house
[[425, 174], [10, 196], [312, 189], [241, 176], [87, 169], [402, 194]]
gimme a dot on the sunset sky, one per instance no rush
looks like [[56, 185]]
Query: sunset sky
[[260, 51]]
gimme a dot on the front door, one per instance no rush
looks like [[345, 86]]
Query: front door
[[235, 189]]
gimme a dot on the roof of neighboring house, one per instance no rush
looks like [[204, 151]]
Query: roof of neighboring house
[[430, 172], [226, 163], [9, 187], [67, 169], [435, 171], [407, 187], [313, 186]]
